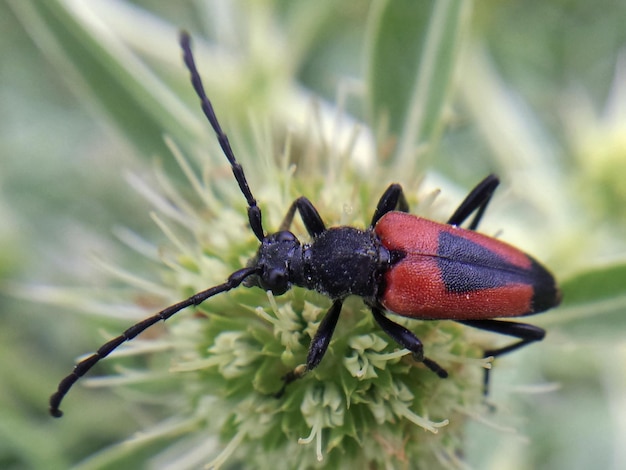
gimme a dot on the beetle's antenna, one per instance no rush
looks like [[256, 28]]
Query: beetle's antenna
[[83, 366], [254, 212]]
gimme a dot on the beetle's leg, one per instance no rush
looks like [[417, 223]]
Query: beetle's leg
[[407, 340], [525, 332], [318, 347], [476, 200], [321, 340], [311, 218], [392, 199]]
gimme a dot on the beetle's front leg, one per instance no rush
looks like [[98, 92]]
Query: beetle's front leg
[[312, 220], [318, 347]]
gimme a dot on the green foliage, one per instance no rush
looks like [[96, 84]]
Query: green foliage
[[412, 53]]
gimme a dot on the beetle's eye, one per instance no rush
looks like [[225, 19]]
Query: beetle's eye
[[278, 281], [285, 236]]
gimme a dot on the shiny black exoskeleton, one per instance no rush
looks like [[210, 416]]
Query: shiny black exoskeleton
[[337, 262]]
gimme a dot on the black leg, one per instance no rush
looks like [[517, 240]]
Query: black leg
[[83, 366], [525, 332], [254, 212], [318, 347], [476, 200], [321, 340], [311, 218], [407, 340], [392, 199]]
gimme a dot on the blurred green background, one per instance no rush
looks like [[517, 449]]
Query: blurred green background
[[539, 96]]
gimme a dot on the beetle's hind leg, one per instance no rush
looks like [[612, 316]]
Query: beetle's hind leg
[[477, 200], [523, 331]]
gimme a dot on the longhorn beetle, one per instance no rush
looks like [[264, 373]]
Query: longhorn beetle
[[401, 263]]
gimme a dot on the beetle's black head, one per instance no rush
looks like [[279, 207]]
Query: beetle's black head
[[273, 260]]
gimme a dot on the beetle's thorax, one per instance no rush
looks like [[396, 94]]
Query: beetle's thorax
[[342, 261]]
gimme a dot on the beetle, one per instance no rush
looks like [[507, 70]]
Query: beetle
[[401, 263]]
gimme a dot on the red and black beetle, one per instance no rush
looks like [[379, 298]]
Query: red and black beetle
[[401, 263]]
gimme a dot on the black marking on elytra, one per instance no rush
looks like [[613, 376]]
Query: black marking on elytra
[[467, 266]]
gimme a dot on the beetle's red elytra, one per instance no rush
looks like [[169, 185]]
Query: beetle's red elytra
[[452, 273], [401, 263]]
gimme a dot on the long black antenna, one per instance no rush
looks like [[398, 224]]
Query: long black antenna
[[83, 366], [254, 213]]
